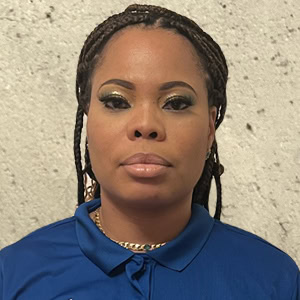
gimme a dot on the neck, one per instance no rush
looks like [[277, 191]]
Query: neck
[[144, 226]]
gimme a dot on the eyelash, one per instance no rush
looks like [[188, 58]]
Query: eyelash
[[120, 101], [181, 100], [114, 99]]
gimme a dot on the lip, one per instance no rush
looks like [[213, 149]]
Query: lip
[[145, 170], [146, 158]]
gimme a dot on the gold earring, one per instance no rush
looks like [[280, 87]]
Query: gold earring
[[89, 190]]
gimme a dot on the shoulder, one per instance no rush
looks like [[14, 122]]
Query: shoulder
[[247, 253], [41, 241], [244, 243], [244, 239], [39, 261]]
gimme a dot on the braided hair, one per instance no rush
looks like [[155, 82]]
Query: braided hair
[[212, 61]]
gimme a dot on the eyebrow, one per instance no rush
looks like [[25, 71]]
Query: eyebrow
[[165, 86], [126, 84]]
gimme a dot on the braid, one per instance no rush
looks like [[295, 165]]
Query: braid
[[77, 154], [212, 60], [202, 188], [218, 170], [212, 168]]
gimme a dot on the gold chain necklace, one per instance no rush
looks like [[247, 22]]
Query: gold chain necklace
[[127, 245]]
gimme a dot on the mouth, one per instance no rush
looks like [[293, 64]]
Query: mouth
[[146, 158], [146, 165]]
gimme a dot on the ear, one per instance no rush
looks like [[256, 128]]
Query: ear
[[212, 129]]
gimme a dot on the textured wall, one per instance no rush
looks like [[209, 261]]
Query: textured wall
[[259, 140]]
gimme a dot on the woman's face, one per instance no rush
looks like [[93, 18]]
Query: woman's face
[[149, 96]]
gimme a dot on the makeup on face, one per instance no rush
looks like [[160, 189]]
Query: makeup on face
[[116, 99]]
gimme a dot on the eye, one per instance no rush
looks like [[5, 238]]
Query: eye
[[178, 103], [114, 102]]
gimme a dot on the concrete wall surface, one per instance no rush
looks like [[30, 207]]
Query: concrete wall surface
[[259, 140]]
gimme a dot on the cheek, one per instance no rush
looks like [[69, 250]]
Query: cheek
[[102, 137], [192, 138], [190, 142]]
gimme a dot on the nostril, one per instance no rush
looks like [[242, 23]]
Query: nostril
[[137, 134], [153, 135]]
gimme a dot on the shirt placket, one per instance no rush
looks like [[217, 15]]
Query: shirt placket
[[139, 272]]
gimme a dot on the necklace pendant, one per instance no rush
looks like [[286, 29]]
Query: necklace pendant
[[147, 247]]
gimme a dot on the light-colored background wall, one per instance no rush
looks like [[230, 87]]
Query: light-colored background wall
[[259, 140]]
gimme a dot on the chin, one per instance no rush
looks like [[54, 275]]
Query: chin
[[151, 195], [143, 196]]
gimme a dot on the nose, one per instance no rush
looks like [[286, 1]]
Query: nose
[[146, 123]]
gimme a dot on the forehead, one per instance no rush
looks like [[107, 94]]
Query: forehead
[[135, 52]]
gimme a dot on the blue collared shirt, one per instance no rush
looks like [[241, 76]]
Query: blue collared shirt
[[72, 260]]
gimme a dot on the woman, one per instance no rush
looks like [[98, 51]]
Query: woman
[[153, 87]]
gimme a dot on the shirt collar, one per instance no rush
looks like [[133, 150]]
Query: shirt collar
[[176, 254]]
